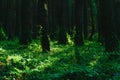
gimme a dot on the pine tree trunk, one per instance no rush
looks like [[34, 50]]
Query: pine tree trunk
[[117, 17], [86, 19], [62, 37], [18, 18], [52, 19], [35, 31], [10, 19], [26, 22], [111, 41], [78, 22], [43, 21]]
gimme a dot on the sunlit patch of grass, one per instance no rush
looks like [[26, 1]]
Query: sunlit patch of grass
[[44, 65], [2, 51], [69, 39], [55, 48], [14, 58], [35, 47]]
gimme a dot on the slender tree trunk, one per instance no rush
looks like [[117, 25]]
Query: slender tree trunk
[[100, 22], [10, 19], [35, 31], [86, 18], [111, 41], [26, 22], [62, 37], [1, 14], [1, 21], [18, 18], [70, 14], [117, 17], [43, 21], [4, 16], [78, 22], [92, 21], [52, 18]]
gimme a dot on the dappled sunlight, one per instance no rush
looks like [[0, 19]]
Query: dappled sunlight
[[2, 51], [35, 47], [59, 40], [14, 58], [60, 63], [44, 65], [61, 48]]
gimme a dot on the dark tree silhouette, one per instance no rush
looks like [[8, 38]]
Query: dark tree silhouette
[[10, 18], [43, 21], [35, 29], [81, 19], [86, 18], [78, 22], [18, 17], [107, 13], [62, 38], [52, 18], [26, 22], [117, 17]]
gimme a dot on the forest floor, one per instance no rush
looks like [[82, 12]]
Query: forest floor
[[29, 63]]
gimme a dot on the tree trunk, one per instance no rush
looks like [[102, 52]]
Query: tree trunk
[[26, 22], [35, 31], [86, 19], [52, 19], [18, 18], [43, 21], [111, 41], [10, 19], [78, 22], [117, 17], [62, 37]]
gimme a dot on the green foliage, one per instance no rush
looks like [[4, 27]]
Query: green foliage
[[2, 33], [29, 63]]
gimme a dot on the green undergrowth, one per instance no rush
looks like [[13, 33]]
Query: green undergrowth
[[29, 63]]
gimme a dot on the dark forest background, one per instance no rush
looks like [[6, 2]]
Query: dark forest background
[[65, 39]]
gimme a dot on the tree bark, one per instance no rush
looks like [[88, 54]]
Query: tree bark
[[78, 22], [26, 22], [111, 40], [43, 21]]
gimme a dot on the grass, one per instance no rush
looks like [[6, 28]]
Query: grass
[[29, 63]]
